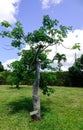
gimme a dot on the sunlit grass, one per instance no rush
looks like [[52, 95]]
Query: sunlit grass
[[61, 111]]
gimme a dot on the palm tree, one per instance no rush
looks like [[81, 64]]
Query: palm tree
[[59, 58]]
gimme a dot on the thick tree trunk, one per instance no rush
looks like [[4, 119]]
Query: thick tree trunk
[[36, 96]]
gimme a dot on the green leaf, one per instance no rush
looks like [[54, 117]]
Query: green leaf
[[5, 24], [76, 46]]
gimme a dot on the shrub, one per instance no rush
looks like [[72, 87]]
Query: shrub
[[62, 78]]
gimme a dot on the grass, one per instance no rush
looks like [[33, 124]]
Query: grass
[[61, 111]]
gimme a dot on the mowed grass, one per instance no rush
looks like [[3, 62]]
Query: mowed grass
[[63, 110]]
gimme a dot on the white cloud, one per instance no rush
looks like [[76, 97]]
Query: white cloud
[[6, 63], [27, 47], [47, 3], [8, 10], [73, 37]]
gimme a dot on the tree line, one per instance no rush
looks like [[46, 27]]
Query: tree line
[[71, 78]]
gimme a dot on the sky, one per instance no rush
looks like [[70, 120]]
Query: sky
[[30, 13]]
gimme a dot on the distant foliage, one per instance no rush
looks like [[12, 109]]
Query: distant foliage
[[76, 72], [71, 78], [62, 78], [3, 77], [47, 78], [1, 67]]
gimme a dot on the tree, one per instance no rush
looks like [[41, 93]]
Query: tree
[[17, 69], [49, 34], [76, 72], [1, 67], [3, 76], [59, 58]]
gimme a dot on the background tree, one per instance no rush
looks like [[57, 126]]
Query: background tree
[[49, 34], [76, 72], [17, 72], [59, 58], [2, 78], [1, 67]]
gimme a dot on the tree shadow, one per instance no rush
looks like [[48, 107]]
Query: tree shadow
[[20, 87], [26, 105], [21, 104]]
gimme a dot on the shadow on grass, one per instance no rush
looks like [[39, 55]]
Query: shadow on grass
[[19, 105], [26, 105]]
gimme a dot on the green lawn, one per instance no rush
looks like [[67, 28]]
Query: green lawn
[[61, 111]]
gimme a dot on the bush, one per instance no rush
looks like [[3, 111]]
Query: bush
[[71, 78], [2, 80], [62, 78], [76, 77], [48, 77], [3, 77]]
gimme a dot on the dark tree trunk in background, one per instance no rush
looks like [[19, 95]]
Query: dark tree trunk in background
[[17, 85]]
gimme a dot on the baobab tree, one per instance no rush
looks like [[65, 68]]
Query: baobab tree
[[49, 34]]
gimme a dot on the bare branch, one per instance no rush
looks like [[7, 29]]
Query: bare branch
[[66, 47]]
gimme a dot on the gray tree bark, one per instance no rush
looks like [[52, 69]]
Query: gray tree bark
[[36, 95]]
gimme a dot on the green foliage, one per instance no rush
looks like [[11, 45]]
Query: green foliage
[[81, 61], [47, 90], [76, 46], [2, 80], [49, 78], [37, 36], [49, 23], [6, 34], [28, 59], [62, 79], [44, 81], [28, 78], [59, 58], [1, 67], [16, 33], [5, 24], [64, 30], [10, 80], [3, 77], [46, 78], [49, 33], [17, 68], [76, 72], [16, 43]]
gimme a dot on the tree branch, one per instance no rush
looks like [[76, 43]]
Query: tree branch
[[66, 47]]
